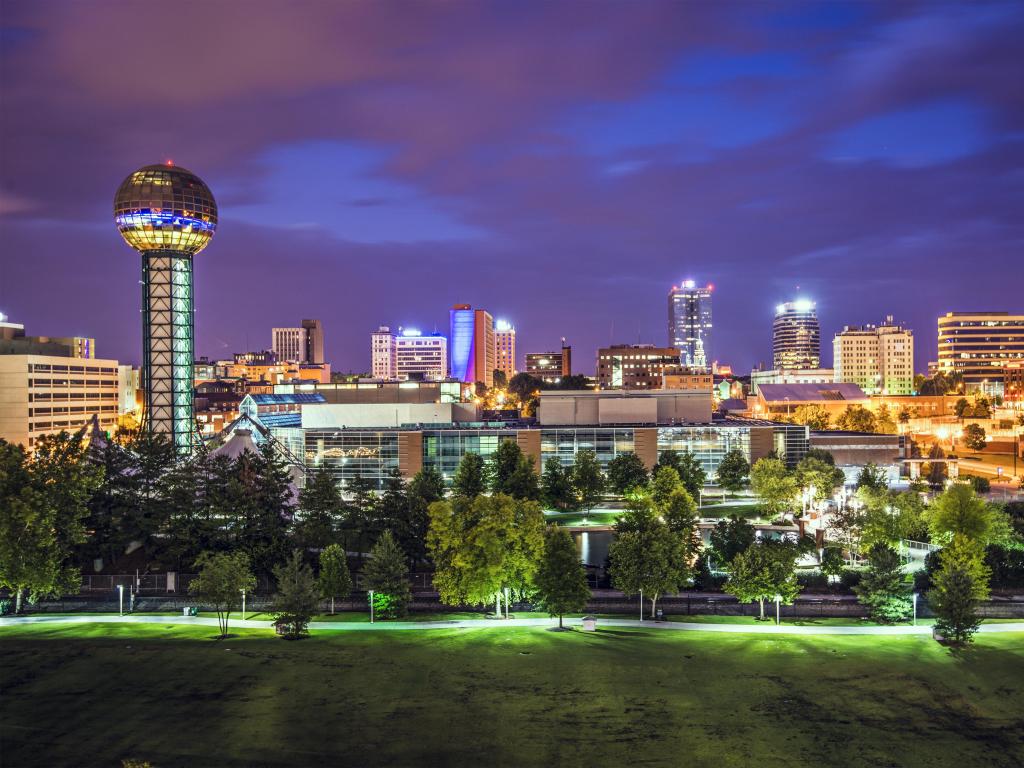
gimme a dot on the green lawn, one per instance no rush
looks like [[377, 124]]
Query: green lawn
[[91, 695]]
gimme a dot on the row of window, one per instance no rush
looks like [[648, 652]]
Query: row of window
[[55, 397], [69, 383], [72, 409], [46, 368]]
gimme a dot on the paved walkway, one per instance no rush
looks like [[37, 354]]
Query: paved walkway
[[395, 626]]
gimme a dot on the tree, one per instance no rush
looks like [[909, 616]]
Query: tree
[[647, 557], [43, 505], [961, 407], [885, 423], [297, 597], [664, 483], [733, 471], [814, 416], [832, 564], [690, 471], [587, 479], [319, 514], [774, 484], [856, 418], [959, 510], [426, 487], [936, 472], [387, 574], [512, 472], [470, 478], [393, 505], [872, 477], [500, 379], [960, 584], [982, 408], [524, 387], [821, 454], [626, 472], [974, 437], [884, 589], [761, 572], [730, 537], [556, 486], [888, 517], [561, 580], [679, 511], [334, 576], [222, 577], [484, 545], [980, 484], [262, 491], [821, 477]]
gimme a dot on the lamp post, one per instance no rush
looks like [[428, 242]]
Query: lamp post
[[915, 609], [120, 599], [641, 605], [371, 606], [778, 599], [243, 605]]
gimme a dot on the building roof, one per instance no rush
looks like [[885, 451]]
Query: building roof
[[811, 392], [733, 404], [299, 398]]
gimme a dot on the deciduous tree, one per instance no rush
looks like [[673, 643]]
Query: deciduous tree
[[221, 579], [958, 587], [556, 486], [773, 484], [626, 472], [761, 572], [733, 471], [588, 480], [470, 478]]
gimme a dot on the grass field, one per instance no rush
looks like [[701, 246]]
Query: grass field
[[91, 695]]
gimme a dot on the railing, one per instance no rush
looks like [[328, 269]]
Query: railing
[[918, 550]]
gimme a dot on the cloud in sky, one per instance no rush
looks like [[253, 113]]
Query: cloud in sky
[[379, 162]]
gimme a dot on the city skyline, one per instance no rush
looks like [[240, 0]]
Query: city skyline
[[532, 177]]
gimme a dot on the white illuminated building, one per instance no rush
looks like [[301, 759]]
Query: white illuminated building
[[409, 354]]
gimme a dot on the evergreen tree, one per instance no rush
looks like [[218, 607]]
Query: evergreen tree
[[334, 578], [884, 589], [297, 598], [470, 478], [262, 492], [320, 505], [587, 479], [361, 520], [561, 578], [626, 472], [387, 574], [426, 487], [556, 487], [733, 471], [958, 587], [393, 506]]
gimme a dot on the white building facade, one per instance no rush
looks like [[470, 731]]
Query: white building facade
[[290, 344], [878, 359]]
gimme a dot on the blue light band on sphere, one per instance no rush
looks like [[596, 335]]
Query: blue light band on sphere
[[145, 219]]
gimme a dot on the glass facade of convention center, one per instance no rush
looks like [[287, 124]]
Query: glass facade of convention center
[[443, 449], [708, 444], [351, 453], [374, 453], [564, 444]]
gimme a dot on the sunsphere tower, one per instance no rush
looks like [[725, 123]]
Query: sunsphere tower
[[168, 215]]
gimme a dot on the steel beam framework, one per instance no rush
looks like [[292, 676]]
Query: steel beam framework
[[167, 354]]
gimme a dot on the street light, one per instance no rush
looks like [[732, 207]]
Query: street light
[[243, 605], [371, 606], [915, 609], [778, 599], [641, 605], [120, 599]]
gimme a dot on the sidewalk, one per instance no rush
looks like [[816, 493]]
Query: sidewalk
[[396, 626]]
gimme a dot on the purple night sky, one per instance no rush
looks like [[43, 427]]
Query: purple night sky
[[560, 164]]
